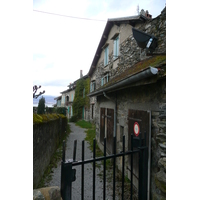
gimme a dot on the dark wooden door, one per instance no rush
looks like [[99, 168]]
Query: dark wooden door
[[110, 129], [102, 125], [137, 118]]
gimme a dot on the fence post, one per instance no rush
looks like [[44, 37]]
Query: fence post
[[68, 175]]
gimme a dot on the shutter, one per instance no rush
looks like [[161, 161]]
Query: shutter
[[105, 57], [101, 81], [115, 53], [91, 87], [117, 46]]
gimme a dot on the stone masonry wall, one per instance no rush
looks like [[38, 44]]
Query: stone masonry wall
[[130, 53], [149, 97], [46, 138]]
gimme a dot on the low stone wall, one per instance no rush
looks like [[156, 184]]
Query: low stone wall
[[48, 193], [46, 138]]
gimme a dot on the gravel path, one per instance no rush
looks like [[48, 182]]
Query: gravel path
[[79, 134]]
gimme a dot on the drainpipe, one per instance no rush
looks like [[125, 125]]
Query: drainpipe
[[115, 112]]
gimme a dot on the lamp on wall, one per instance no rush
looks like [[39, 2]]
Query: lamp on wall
[[145, 40]]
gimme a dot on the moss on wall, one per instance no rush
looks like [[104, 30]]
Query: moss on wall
[[37, 119]]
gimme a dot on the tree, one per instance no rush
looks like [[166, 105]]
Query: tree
[[35, 88], [41, 106]]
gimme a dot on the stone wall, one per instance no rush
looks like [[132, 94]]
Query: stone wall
[[48, 193], [149, 97], [46, 138], [130, 53]]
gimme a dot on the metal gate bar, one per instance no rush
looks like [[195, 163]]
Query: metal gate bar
[[123, 160], [82, 171], [114, 163], [94, 151], [104, 171], [68, 174]]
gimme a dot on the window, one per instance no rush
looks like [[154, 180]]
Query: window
[[106, 52], [72, 97], [116, 48], [92, 86], [104, 79], [63, 99]]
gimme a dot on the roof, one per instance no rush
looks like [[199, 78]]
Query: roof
[[158, 61], [57, 98], [132, 20]]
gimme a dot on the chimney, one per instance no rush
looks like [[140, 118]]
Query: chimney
[[146, 14], [81, 74]]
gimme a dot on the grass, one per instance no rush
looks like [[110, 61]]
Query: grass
[[90, 135], [85, 124]]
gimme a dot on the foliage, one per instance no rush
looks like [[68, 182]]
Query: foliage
[[41, 106], [74, 118], [46, 117], [81, 101], [84, 124], [60, 110], [37, 119], [49, 110]]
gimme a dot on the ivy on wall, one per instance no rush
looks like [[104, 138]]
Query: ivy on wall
[[81, 99]]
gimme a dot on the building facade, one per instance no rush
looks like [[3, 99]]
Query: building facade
[[128, 87]]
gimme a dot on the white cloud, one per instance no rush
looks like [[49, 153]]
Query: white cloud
[[62, 46]]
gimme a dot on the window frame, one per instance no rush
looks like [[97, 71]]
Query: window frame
[[105, 79], [92, 86], [116, 47]]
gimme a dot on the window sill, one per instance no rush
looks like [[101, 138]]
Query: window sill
[[115, 58]]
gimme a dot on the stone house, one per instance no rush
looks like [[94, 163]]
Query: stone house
[[67, 98], [128, 87], [58, 101]]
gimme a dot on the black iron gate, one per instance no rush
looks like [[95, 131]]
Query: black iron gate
[[68, 175]]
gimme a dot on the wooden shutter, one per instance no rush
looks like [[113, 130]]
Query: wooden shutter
[[110, 129], [102, 125]]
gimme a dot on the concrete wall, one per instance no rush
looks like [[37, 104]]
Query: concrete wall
[[46, 138]]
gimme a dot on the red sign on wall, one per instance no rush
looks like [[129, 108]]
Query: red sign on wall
[[136, 129]]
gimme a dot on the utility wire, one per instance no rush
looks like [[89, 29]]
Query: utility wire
[[69, 16]]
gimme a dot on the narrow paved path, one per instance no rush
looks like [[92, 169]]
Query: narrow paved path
[[79, 134]]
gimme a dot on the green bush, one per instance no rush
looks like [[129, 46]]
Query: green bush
[[61, 110], [74, 118]]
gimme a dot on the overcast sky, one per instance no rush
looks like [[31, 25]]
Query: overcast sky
[[62, 46]]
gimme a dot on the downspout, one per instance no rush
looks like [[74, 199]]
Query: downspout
[[115, 112]]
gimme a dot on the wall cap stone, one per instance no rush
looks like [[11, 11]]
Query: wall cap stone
[[47, 193]]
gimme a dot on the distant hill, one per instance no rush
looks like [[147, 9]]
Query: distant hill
[[48, 99]]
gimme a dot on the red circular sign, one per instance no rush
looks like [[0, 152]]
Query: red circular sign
[[136, 129]]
